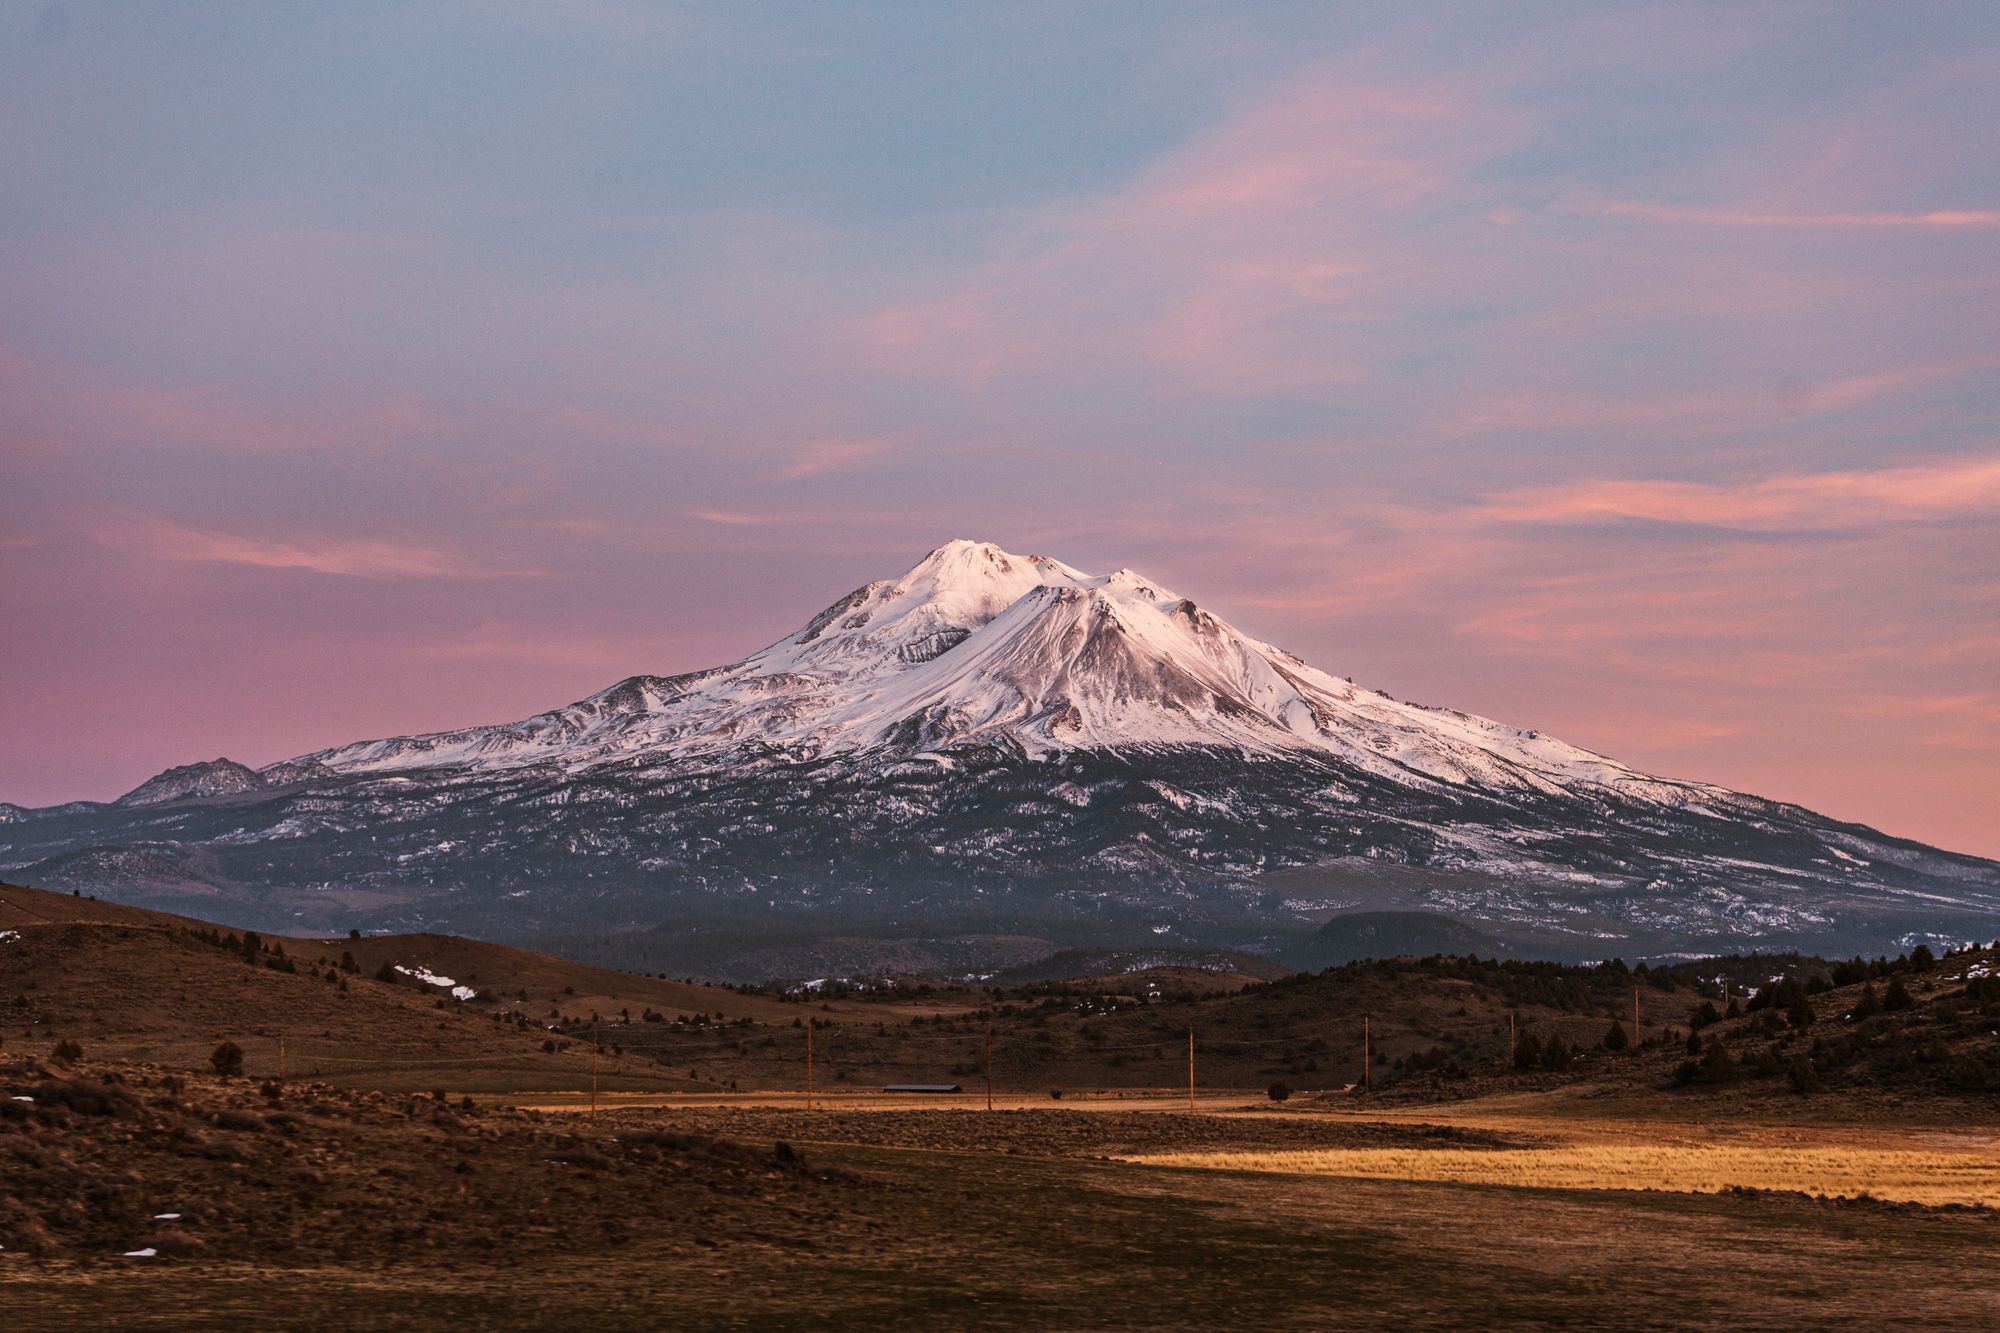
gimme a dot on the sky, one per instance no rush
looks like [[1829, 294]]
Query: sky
[[1630, 372]]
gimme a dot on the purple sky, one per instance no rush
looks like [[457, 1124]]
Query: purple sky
[[1631, 372]]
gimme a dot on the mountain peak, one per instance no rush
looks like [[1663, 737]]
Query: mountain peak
[[965, 568], [217, 777], [976, 646]]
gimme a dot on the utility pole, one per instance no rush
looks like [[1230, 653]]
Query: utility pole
[[989, 1066], [1190, 1071], [809, 1063], [281, 1062], [1635, 1015], [1510, 1037], [1364, 1050], [595, 1046]]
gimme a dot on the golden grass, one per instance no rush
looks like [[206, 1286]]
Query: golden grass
[[1901, 1175]]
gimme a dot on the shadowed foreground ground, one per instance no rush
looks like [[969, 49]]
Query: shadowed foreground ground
[[968, 1240]]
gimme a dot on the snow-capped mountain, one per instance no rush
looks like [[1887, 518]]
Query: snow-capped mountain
[[975, 646], [994, 741]]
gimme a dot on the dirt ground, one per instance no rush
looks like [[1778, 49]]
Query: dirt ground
[[1050, 1132], [983, 1241], [140, 1190], [371, 1210]]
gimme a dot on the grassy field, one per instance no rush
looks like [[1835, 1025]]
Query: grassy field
[[1890, 1174], [985, 1241], [327, 1208]]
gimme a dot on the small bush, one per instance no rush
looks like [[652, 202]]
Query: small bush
[[1279, 1091], [66, 1052], [1527, 1051], [176, 1244], [226, 1059], [93, 1099]]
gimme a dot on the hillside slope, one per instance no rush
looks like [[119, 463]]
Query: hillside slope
[[404, 1012]]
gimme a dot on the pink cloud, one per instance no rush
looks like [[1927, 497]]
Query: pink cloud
[[1255, 259], [56, 405], [606, 654], [1971, 719], [833, 455], [1837, 394], [733, 519], [1940, 489], [1729, 217], [354, 558]]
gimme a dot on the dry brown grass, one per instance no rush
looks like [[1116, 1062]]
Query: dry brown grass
[[1900, 1175]]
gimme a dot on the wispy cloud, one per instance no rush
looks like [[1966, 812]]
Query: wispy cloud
[[363, 558], [1941, 489], [730, 518], [57, 405], [1948, 218], [835, 455], [1833, 395], [1966, 721], [1255, 258], [505, 643]]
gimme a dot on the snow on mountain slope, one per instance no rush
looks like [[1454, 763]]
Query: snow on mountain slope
[[978, 646], [217, 777]]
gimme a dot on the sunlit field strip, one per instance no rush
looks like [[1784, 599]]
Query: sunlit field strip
[[1893, 1174]]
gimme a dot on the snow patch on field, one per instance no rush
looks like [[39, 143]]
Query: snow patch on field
[[430, 978]]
